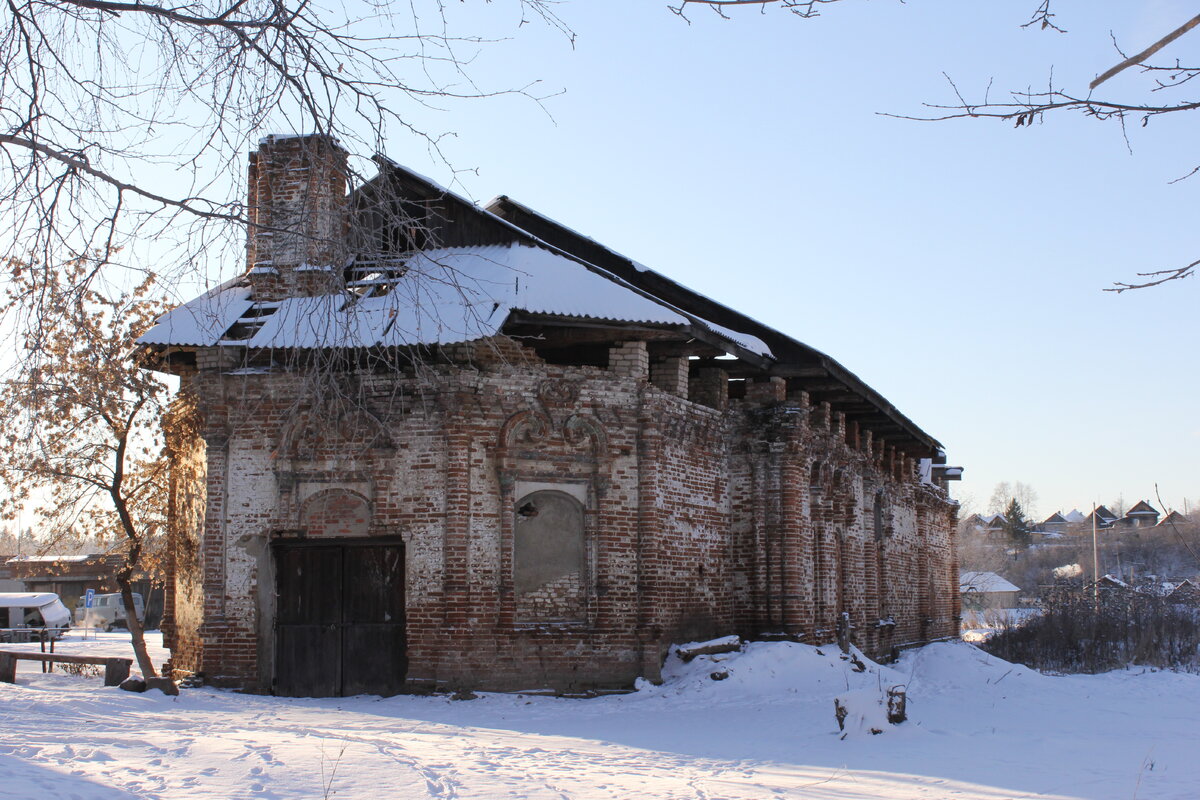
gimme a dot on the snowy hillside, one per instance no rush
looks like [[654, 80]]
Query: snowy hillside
[[978, 728]]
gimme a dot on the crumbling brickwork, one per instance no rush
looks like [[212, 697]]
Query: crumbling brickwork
[[183, 602], [555, 503], [759, 519]]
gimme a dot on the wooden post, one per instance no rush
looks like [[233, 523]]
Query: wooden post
[[8, 668], [897, 704], [115, 671], [1095, 563]]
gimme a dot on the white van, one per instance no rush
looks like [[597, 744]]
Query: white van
[[23, 615], [107, 611]]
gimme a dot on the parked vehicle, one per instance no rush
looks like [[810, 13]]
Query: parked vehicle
[[107, 611], [24, 615]]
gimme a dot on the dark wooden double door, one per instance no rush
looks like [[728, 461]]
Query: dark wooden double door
[[339, 619]]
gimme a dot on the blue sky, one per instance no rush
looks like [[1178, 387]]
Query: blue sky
[[957, 267]]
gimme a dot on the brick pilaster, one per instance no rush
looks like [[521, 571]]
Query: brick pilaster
[[630, 360], [671, 375]]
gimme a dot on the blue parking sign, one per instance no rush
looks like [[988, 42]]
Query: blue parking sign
[[88, 597]]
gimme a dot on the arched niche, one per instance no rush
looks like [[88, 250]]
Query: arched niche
[[879, 510], [821, 478], [335, 513], [549, 561], [348, 432]]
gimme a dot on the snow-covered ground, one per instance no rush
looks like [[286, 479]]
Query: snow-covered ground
[[979, 729], [88, 641], [977, 626]]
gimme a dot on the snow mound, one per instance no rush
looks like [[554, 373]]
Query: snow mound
[[767, 669], [812, 679], [961, 665], [865, 712], [768, 674]]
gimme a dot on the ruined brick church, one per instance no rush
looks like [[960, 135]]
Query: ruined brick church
[[422, 443]]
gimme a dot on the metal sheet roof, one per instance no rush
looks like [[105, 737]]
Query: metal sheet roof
[[465, 293], [444, 296], [985, 582], [200, 322]]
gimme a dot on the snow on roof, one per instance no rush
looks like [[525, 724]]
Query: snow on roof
[[200, 322], [444, 296], [1074, 515], [26, 599], [984, 582], [745, 340], [50, 559]]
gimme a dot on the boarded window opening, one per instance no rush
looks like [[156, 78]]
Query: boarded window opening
[[549, 558]]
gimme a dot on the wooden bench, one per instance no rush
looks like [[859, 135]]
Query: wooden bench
[[115, 669]]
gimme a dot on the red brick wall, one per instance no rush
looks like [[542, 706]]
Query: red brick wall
[[183, 600], [698, 522], [297, 210], [336, 513], [686, 558]]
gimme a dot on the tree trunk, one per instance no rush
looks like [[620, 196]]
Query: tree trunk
[[135, 628]]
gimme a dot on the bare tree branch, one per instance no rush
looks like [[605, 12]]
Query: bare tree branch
[[1023, 108], [78, 162], [801, 8], [125, 122], [1157, 278], [1043, 18], [1149, 51]]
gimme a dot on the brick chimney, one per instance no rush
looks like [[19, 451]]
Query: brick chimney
[[298, 223]]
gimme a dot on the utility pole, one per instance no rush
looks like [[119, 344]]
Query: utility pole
[[1095, 562]]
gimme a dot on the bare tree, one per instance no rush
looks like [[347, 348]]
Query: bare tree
[[1118, 506], [79, 429], [801, 8], [1159, 93], [127, 121], [1004, 493], [123, 135]]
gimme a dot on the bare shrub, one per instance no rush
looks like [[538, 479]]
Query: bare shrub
[[1078, 632], [80, 670]]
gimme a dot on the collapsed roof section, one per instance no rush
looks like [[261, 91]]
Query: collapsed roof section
[[429, 268], [429, 297]]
